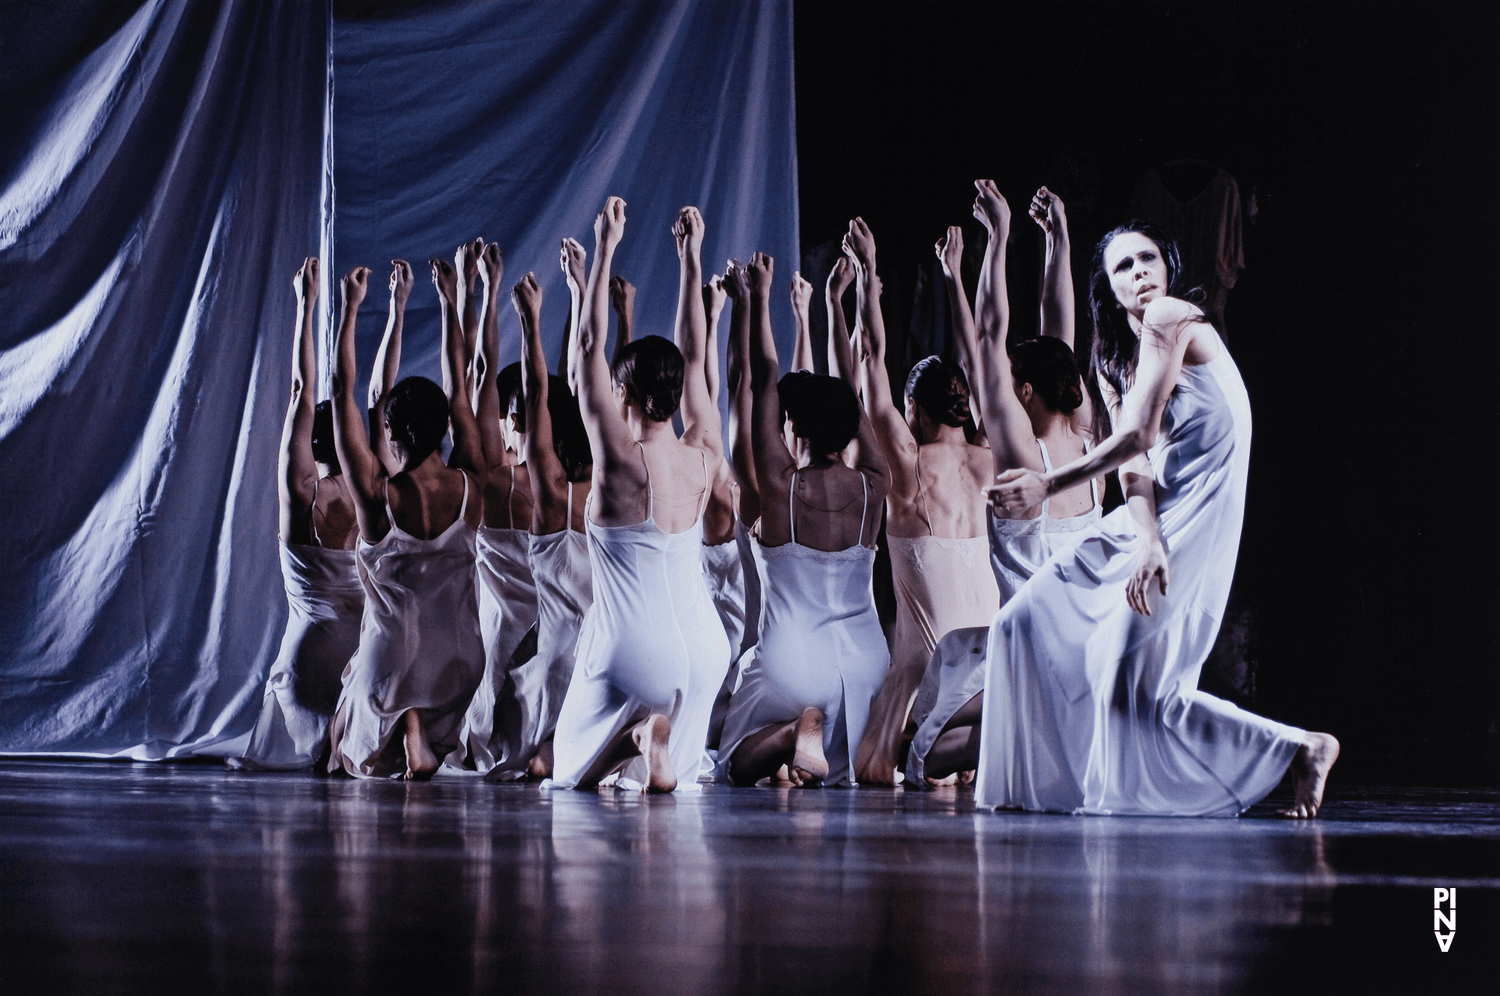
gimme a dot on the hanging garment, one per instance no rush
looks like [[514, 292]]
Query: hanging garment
[[743, 590], [1090, 707], [419, 645], [651, 643], [820, 645], [1206, 224], [955, 672]]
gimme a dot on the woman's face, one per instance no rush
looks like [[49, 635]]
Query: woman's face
[[1137, 271]]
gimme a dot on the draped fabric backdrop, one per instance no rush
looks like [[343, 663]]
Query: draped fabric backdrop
[[163, 170]]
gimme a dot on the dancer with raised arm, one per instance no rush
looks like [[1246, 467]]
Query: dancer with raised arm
[[323, 593], [420, 654], [1091, 702], [807, 685], [507, 590], [652, 652], [1035, 414], [388, 361], [934, 520], [557, 450]]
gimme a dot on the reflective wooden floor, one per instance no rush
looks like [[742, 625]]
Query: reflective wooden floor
[[118, 878]]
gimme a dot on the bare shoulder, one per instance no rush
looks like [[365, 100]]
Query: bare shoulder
[[1170, 314]]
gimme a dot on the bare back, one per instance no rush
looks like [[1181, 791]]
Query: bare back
[[507, 497], [666, 483], [427, 500], [825, 508], [945, 494]]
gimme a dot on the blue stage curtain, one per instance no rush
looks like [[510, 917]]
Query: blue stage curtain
[[161, 176], [514, 120]]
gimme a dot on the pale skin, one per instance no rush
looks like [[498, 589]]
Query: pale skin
[[945, 501], [549, 481], [301, 477], [574, 262], [507, 485], [1171, 334], [626, 442], [388, 360], [841, 360], [622, 302], [832, 498], [426, 495]]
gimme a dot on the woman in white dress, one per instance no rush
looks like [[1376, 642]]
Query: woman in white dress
[[935, 522], [420, 654], [324, 597], [1035, 413], [1091, 702], [807, 685], [652, 653]]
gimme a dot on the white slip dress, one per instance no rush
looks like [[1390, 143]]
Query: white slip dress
[[324, 603], [820, 645], [507, 612], [955, 671], [565, 590], [419, 646], [651, 643], [732, 589], [1090, 707]]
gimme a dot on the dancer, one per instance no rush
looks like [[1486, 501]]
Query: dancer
[[557, 450], [1036, 414], [652, 652], [934, 520], [1091, 702], [324, 597], [807, 686], [507, 589], [388, 362], [420, 654]]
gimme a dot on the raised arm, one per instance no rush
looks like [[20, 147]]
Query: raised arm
[[713, 304], [487, 362], [841, 361], [549, 482], [388, 362], [773, 464], [950, 251], [1006, 423], [889, 427], [574, 262], [609, 436], [1058, 304], [802, 350], [467, 453], [298, 469], [362, 469], [622, 300], [466, 261], [741, 393], [700, 417]]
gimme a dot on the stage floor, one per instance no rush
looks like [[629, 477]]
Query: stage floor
[[135, 878]]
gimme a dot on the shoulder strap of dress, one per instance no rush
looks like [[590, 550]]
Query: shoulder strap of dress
[[864, 505], [463, 508], [921, 493], [385, 492], [707, 485], [791, 507], [510, 496], [1093, 481], [650, 494], [312, 513], [1047, 467]]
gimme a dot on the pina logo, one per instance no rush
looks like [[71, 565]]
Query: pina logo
[[1445, 921]]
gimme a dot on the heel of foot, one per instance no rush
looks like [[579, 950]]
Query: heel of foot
[[808, 757]]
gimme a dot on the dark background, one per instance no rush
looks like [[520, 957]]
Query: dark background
[[1363, 322]]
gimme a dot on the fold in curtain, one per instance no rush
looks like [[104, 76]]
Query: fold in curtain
[[163, 174]]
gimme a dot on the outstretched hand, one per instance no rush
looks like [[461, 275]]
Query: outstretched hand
[[574, 261], [1150, 563], [736, 282], [714, 296], [688, 231], [609, 226], [445, 279], [492, 268], [840, 277], [991, 208], [305, 283], [466, 260], [1017, 491], [356, 282], [801, 293], [526, 296], [1047, 211], [621, 295], [758, 273], [859, 245], [950, 249], [401, 281]]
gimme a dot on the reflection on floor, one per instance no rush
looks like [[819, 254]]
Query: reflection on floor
[[163, 879]]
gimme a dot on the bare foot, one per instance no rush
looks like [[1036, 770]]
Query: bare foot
[[650, 737], [421, 762], [540, 765], [1310, 771], [809, 766]]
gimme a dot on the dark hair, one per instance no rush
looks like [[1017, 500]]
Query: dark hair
[[323, 448], [508, 386], [1048, 365], [1114, 348], [940, 389], [416, 416], [651, 369], [824, 410], [570, 440]]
